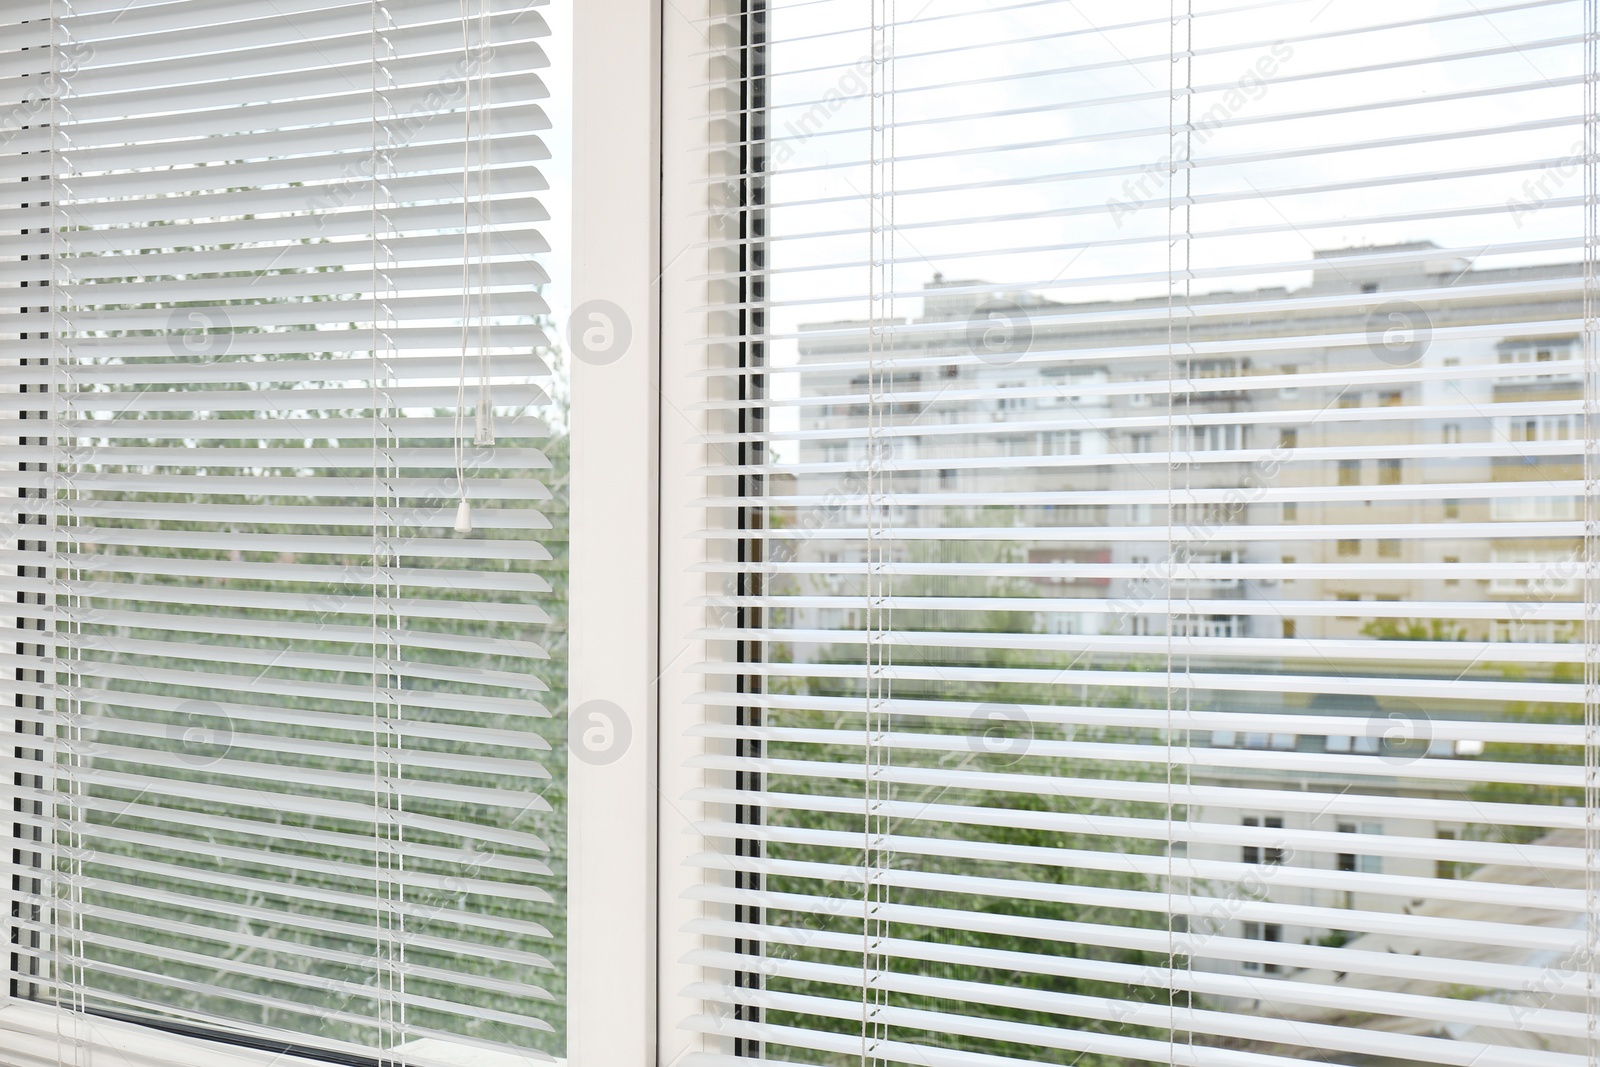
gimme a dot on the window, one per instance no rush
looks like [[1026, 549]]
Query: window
[[868, 764], [1517, 352], [1213, 438], [1254, 931], [295, 761], [1007, 397], [1541, 428], [1364, 864], [1272, 854]]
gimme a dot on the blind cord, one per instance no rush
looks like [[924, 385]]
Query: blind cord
[[483, 434]]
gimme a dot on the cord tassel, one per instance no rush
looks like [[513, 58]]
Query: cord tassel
[[464, 517]]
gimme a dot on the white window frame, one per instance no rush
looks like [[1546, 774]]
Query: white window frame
[[622, 850], [640, 160]]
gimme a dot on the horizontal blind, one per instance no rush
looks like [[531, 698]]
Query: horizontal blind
[[274, 397], [1148, 542]]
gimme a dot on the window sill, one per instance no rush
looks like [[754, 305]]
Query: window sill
[[29, 1037]]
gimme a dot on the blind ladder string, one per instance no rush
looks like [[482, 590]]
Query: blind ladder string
[[1186, 212], [1591, 546], [67, 946], [76, 813], [376, 490], [1171, 543], [876, 861], [463, 521], [388, 851]]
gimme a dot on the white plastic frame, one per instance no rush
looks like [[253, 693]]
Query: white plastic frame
[[613, 645], [644, 84], [647, 101]]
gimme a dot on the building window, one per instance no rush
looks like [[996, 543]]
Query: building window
[[1389, 471], [1349, 472], [1356, 861], [1272, 854], [1254, 931], [1349, 547]]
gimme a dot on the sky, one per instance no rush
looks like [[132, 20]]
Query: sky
[[973, 77], [1032, 138]]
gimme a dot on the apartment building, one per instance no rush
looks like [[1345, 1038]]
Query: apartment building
[[1344, 487]]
